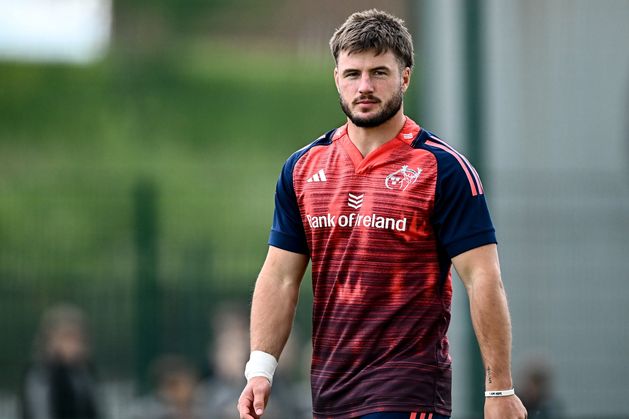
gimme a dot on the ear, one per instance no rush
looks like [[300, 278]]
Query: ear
[[406, 79], [336, 79]]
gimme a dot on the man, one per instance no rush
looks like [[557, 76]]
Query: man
[[383, 208]]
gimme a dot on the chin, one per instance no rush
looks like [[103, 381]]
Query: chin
[[365, 116]]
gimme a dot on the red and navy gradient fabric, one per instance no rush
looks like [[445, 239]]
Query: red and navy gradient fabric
[[404, 415], [380, 231]]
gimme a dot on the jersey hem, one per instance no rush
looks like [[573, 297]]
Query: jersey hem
[[287, 242], [385, 407], [471, 242]]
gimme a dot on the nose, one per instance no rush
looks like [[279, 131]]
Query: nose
[[365, 85]]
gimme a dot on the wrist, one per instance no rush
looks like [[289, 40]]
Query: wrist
[[499, 385], [261, 364], [500, 393]]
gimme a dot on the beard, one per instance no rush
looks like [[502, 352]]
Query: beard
[[388, 111]]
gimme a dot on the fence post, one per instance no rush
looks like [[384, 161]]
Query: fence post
[[147, 292], [475, 133]]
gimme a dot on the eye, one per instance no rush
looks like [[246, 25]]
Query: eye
[[351, 74], [380, 73]]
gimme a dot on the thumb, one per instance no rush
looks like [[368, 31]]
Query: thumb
[[259, 399]]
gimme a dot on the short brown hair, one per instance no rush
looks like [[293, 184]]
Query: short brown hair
[[373, 30]]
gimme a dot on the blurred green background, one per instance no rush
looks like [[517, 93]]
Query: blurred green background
[[138, 185], [188, 119], [206, 125]]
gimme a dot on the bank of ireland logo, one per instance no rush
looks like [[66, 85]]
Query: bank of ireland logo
[[402, 179]]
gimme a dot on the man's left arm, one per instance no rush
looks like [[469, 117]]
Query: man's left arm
[[479, 270]]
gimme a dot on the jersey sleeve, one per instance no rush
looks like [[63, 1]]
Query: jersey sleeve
[[287, 231], [461, 218]]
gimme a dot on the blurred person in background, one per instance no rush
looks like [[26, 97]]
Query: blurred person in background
[[383, 208], [176, 393], [536, 390], [60, 382], [228, 352]]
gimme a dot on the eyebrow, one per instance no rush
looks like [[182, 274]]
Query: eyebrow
[[379, 68]]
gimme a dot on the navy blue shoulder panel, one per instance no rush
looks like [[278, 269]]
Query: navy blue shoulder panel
[[287, 231], [461, 217], [421, 138], [325, 139]]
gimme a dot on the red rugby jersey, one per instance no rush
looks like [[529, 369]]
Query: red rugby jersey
[[380, 232]]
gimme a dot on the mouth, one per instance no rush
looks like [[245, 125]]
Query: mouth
[[366, 101]]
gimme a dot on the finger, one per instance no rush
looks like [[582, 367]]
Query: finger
[[244, 408], [259, 400], [245, 413]]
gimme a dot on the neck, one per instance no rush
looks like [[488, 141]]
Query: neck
[[368, 139]]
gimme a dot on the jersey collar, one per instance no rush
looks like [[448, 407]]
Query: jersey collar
[[407, 134], [409, 131]]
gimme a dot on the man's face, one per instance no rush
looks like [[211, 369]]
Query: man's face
[[371, 87]]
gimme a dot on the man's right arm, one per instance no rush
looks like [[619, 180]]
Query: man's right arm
[[272, 312], [275, 299]]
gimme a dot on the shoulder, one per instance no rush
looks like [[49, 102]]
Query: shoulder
[[285, 181], [451, 164], [445, 154], [323, 140], [299, 155]]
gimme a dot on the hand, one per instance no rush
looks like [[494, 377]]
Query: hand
[[254, 397], [509, 407]]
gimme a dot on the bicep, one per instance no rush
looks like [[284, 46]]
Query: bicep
[[477, 264], [288, 267]]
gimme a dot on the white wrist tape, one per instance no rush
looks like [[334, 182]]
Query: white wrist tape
[[261, 364], [500, 393]]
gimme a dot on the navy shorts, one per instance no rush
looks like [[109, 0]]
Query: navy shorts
[[404, 415]]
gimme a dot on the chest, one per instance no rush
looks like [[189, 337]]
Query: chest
[[391, 196]]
